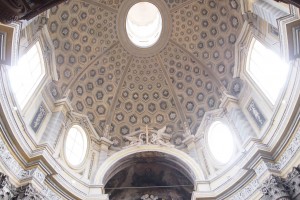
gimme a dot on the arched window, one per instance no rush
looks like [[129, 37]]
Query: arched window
[[26, 76], [220, 142], [75, 146], [267, 69]]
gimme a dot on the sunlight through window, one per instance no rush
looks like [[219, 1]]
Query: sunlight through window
[[220, 142], [26, 76], [75, 146], [268, 70], [144, 24]]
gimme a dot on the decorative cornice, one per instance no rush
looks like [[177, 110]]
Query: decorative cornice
[[16, 168], [21, 174], [208, 118], [105, 141], [265, 166], [290, 151], [247, 191], [83, 121]]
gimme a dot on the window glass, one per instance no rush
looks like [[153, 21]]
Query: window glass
[[220, 142], [75, 146], [25, 77], [268, 70]]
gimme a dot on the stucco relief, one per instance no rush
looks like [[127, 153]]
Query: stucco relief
[[39, 117], [9, 161], [256, 114], [149, 136]]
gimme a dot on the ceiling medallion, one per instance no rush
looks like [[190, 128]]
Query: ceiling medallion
[[143, 27]]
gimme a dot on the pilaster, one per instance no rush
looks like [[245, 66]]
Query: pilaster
[[53, 129], [103, 149], [293, 182], [189, 142], [238, 119], [293, 37]]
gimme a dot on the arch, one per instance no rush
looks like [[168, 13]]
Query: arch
[[111, 163]]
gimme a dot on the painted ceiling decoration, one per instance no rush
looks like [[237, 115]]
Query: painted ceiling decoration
[[124, 91]]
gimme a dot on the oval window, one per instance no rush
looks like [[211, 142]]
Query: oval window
[[220, 142], [75, 146]]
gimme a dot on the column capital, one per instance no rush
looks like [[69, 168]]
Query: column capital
[[275, 188], [7, 190], [293, 181], [29, 192]]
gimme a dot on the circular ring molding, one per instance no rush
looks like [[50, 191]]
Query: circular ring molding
[[165, 33]]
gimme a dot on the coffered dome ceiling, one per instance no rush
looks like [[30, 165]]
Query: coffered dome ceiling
[[189, 71]]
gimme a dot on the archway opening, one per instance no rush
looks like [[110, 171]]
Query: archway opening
[[149, 175]]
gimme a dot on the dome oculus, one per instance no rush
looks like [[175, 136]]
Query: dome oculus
[[143, 24]]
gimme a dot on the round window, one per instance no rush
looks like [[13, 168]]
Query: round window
[[220, 142], [143, 24], [75, 146]]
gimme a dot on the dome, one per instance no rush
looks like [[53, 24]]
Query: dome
[[155, 99], [173, 88]]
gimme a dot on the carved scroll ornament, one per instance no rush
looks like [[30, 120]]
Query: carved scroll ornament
[[275, 188]]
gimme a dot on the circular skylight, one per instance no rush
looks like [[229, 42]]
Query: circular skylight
[[143, 24], [75, 146], [220, 142]]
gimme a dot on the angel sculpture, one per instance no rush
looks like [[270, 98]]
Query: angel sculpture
[[149, 136], [134, 138], [161, 138]]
